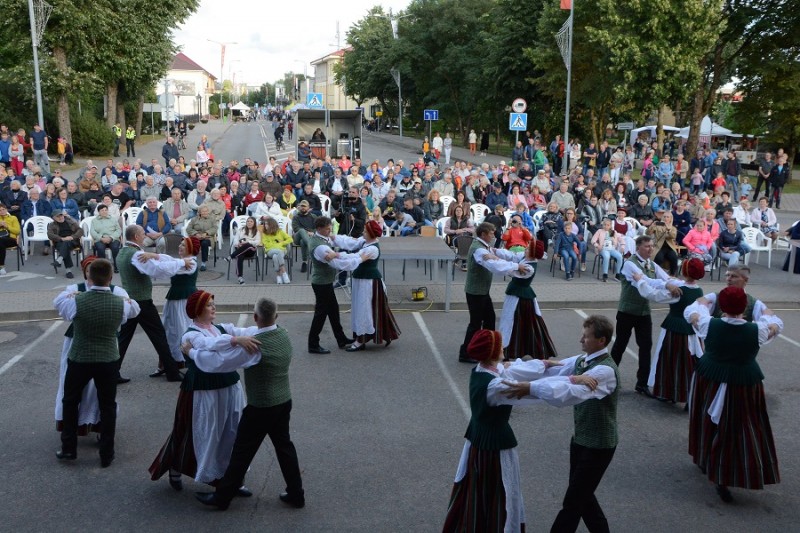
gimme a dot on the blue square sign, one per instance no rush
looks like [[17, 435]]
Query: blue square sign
[[430, 114], [518, 122]]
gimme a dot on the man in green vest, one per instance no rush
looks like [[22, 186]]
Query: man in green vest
[[633, 311], [738, 276], [136, 269], [269, 405], [130, 138], [325, 262], [117, 138], [590, 383], [482, 264], [96, 316]]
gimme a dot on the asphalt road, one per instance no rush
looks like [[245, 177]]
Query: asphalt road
[[378, 435]]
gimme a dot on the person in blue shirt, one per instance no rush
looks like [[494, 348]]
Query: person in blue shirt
[[35, 206], [496, 197], [66, 204], [156, 224], [565, 244], [665, 171]]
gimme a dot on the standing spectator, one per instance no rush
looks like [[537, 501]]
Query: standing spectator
[[778, 177], [5, 148], [130, 141], [169, 151], [40, 142], [764, 172], [65, 233], [473, 142], [732, 170], [16, 154], [448, 147]]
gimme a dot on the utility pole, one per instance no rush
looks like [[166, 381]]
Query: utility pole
[[221, 74]]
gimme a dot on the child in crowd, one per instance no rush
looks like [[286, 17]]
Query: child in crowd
[[719, 181], [697, 181], [745, 187]]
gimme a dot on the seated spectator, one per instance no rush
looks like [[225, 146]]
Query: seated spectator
[[413, 218], [592, 213], [244, 245], [550, 223], [433, 208], [665, 245], [682, 220], [516, 197], [724, 203], [527, 220], [699, 243], [543, 182], [35, 205], [459, 224], [197, 197], [108, 179], [534, 199], [498, 219], [763, 218], [150, 188], [731, 243], [9, 235], [570, 217], [13, 198], [267, 208], [217, 209], [496, 197], [390, 208], [106, 234], [565, 247], [445, 185], [275, 241], [312, 199], [609, 244], [177, 209], [204, 227], [303, 229], [662, 201], [642, 212], [461, 200], [368, 201], [64, 203], [119, 196], [113, 209], [607, 203], [516, 238], [742, 212], [563, 198], [155, 223], [254, 196], [65, 233]]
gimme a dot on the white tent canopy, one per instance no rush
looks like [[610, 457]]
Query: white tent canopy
[[707, 128], [240, 106], [652, 130]]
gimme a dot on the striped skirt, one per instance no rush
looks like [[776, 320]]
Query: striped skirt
[[478, 500], [740, 450], [178, 452], [674, 368], [529, 335]]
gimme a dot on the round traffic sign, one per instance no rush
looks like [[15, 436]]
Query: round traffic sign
[[519, 105]]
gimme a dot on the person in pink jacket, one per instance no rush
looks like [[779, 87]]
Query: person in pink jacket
[[699, 243]]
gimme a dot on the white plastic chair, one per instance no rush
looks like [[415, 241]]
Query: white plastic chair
[[440, 225], [446, 201], [39, 225], [508, 214], [87, 241], [758, 243], [636, 225], [129, 217], [326, 204], [478, 212]]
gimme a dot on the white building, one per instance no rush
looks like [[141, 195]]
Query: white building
[[333, 94], [190, 84]]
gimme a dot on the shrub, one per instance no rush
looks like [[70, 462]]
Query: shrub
[[90, 136]]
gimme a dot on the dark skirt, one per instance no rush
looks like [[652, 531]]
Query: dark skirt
[[386, 328], [529, 335], [178, 452], [674, 369], [478, 501], [83, 429], [740, 450]]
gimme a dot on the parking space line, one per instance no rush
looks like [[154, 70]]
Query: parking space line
[[438, 356], [14, 360], [627, 350]]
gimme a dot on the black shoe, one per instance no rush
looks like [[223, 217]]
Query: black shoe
[[344, 343], [388, 342], [177, 376], [105, 462], [158, 373], [297, 502], [70, 275], [465, 359], [211, 499], [319, 350], [724, 494], [244, 492], [303, 268], [605, 278], [358, 348], [644, 390], [116, 270], [66, 456], [121, 380], [176, 483]]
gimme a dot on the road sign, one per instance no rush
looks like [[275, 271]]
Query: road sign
[[314, 101], [223, 105], [430, 114], [519, 105], [518, 121], [625, 126], [378, 113]]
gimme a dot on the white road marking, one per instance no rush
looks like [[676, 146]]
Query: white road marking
[[14, 360], [627, 350], [438, 356], [241, 321], [790, 341]]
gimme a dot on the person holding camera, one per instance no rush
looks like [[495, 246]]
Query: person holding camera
[[351, 214], [247, 238], [665, 244]]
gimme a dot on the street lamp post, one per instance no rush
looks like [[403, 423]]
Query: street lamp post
[[396, 74], [221, 73], [199, 106]]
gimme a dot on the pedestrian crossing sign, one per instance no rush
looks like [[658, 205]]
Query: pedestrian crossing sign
[[518, 122], [314, 101]]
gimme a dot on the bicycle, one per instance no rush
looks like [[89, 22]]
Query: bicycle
[[181, 142], [279, 143]]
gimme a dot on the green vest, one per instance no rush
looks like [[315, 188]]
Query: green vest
[[479, 279], [596, 420], [196, 379], [267, 383], [630, 301], [521, 287], [369, 268], [98, 317], [730, 354], [71, 329], [181, 286], [488, 427], [322, 273], [674, 320], [748, 311], [138, 285]]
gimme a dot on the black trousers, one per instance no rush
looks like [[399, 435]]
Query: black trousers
[[670, 256], [5, 242], [643, 327], [256, 424], [481, 316], [100, 249], [761, 181], [325, 306], [105, 380], [65, 249], [586, 469], [130, 148], [151, 324], [242, 252]]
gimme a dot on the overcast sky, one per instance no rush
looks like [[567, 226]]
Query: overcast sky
[[269, 45]]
